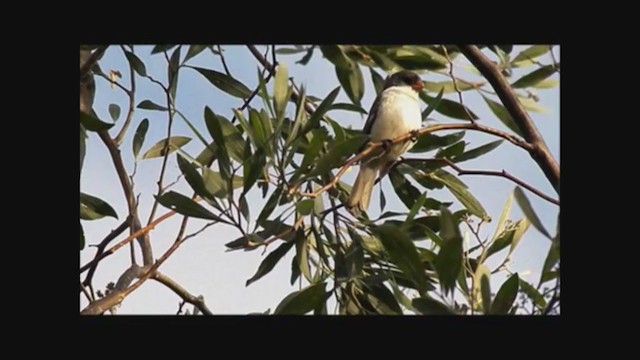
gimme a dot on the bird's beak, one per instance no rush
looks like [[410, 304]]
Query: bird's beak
[[418, 86]]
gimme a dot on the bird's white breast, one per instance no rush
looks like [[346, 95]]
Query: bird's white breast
[[399, 113]]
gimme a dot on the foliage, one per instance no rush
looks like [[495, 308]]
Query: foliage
[[289, 145]]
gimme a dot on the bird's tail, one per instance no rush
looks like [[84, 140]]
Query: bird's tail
[[362, 188]]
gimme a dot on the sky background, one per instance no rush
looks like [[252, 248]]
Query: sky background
[[202, 265]]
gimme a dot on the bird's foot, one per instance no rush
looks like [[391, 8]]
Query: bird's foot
[[386, 144], [414, 135]]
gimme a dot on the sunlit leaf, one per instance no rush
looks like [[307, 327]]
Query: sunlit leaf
[[185, 206], [157, 150], [93, 208], [506, 295]]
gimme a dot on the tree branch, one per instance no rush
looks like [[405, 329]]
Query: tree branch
[[103, 244], [197, 301], [502, 173], [131, 93], [93, 58], [539, 150]]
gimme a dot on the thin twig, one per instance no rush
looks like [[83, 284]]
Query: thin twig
[[455, 84], [85, 292], [224, 62], [103, 244], [197, 301], [284, 233], [131, 93], [539, 150]]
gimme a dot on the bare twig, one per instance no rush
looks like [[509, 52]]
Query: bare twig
[[455, 83], [85, 292], [103, 244], [224, 62], [502, 173], [284, 233], [131, 93], [539, 150], [197, 301]]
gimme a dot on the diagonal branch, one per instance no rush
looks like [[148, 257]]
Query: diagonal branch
[[197, 301], [539, 150], [93, 58], [103, 244]]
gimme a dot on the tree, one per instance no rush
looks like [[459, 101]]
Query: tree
[[275, 172]]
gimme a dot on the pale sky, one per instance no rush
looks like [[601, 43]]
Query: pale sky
[[202, 265]]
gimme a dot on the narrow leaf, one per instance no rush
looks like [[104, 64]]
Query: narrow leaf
[[139, 136], [136, 63], [479, 151], [378, 81], [193, 177], [92, 123], [459, 190], [114, 111], [280, 89], [348, 107], [533, 294], [305, 207], [449, 108], [157, 150], [403, 253], [215, 129], [432, 105], [530, 53], [429, 306], [506, 295], [185, 206], [193, 51], [225, 83], [303, 301], [448, 262], [92, 208], [270, 261], [503, 115], [428, 142], [337, 155], [150, 105], [534, 77], [325, 105], [528, 211]]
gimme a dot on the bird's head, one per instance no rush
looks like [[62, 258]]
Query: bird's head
[[405, 78]]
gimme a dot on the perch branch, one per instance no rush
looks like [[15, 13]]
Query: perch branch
[[197, 301]]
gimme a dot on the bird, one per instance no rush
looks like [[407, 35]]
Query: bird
[[394, 112]]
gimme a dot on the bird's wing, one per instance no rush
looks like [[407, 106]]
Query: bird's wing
[[373, 113]]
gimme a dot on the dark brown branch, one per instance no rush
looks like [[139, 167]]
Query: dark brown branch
[[222, 59], [539, 150], [143, 240], [197, 301], [103, 244], [502, 173], [455, 84]]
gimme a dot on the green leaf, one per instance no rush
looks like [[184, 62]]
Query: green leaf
[[214, 125], [303, 301], [384, 62], [161, 48], [302, 255], [546, 84], [337, 155], [301, 118], [270, 261], [530, 53], [244, 208], [82, 240], [506, 209], [507, 237], [193, 177], [253, 169], [173, 71], [270, 205], [185, 206], [448, 262], [528, 211], [138, 138], [418, 62], [150, 105], [432, 106], [533, 294], [305, 59], [532, 105], [262, 86], [92, 123], [506, 295], [452, 151], [503, 115], [114, 111], [448, 107], [325, 105], [407, 193], [353, 259], [280, 89], [225, 83], [287, 51], [305, 207], [534, 77], [378, 81], [193, 51], [428, 142], [552, 259], [335, 54], [459, 190], [216, 185], [476, 152], [234, 143], [157, 150], [482, 283], [403, 253], [352, 81], [449, 87], [136, 63], [348, 107], [429, 306], [382, 300], [93, 208], [415, 208]]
